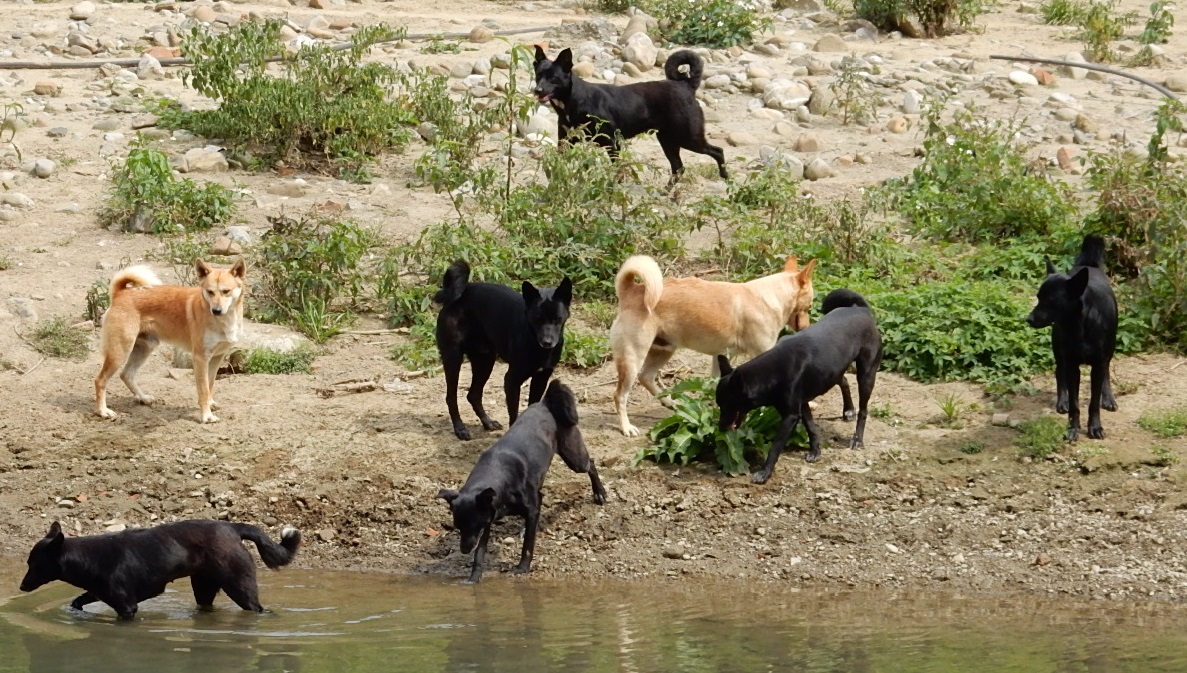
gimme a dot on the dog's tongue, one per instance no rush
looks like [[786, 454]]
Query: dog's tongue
[[544, 98]]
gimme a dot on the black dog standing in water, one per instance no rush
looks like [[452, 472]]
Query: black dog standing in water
[[122, 569], [1082, 312], [484, 321], [604, 111], [802, 367], [508, 476]]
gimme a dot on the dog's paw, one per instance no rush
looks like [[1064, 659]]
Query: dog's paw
[[630, 430], [106, 413], [461, 432], [1072, 435], [521, 569], [490, 425], [208, 417], [760, 477], [213, 405], [1096, 432], [599, 497], [146, 400], [849, 414], [1061, 405], [812, 456], [1108, 404]]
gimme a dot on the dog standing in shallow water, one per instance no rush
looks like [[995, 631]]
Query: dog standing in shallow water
[[485, 321], [802, 367], [122, 569], [508, 477], [1081, 310], [657, 316], [206, 320], [605, 111]]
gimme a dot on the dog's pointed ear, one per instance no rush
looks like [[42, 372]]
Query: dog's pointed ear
[[530, 293], [486, 498], [56, 538], [564, 291], [1077, 284], [202, 268], [239, 268], [1050, 267], [540, 55], [723, 364], [806, 272], [448, 495], [792, 265], [55, 530], [564, 60]]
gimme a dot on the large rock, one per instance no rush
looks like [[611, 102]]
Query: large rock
[[1176, 82], [818, 169], [149, 68], [641, 51], [830, 43], [205, 160], [82, 11], [639, 23], [1072, 71]]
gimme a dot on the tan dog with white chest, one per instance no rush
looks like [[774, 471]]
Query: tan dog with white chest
[[657, 316], [207, 320]]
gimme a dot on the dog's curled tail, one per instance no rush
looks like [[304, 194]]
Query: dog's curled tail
[[561, 403], [639, 282], [696, 68], [132, 276], [454, 283], [842, 298], [274, 555], [1092, 252]]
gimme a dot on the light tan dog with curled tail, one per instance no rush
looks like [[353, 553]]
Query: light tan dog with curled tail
[[657, 316], [206, 320]]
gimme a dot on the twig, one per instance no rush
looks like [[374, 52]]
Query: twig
[[168, 62], [33, 367], [376, 332], [1177, 365], [360, 387], [1092, 66], [347, 381]]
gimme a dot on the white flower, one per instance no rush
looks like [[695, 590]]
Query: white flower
[[951, 141]]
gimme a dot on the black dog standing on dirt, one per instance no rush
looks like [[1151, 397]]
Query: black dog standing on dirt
[[605, 111], [802, 367], [509, 475], [1082, 311], [121, 569], [485, 321]]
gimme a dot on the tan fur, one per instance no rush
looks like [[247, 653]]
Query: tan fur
[[144, 312], [657, 316]]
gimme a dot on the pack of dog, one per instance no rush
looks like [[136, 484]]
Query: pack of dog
[[484, 322], [657, 316], [604, 113], [1081, 311], [802, 367], [206, 320], [509, 476], [122, 569]]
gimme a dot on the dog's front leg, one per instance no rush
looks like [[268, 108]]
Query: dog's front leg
[[479, 557], [1062, 373], [1097, 384], [530, 521], [1073, 399], [538, 385], [202, 378], [785, 429], [85, 599]]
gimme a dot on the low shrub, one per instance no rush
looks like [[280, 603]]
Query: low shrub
[[934, 17], [271, 361], [146, 196], [1165, 424], [691, 433], [710, 23], [1041, 437], [57, 338]]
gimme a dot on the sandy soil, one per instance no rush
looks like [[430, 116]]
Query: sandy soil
[[359, 472]]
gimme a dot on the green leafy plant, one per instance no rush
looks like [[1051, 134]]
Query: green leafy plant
[[1041, 437], [1166, 424], [327, 109], [977, 184], [711, 23], [311, 274], [5, 263], [857, 99], [181, 252], [271, 361], [56, 337], [418, 351], [9, 114], [935, 17], [691, 432], [439, 45], [146, 197], [98, 299], [1100, 26], [1158, 26], [971, 448], [1063, 12], [1164, 456], [951, 407], [585, 349]]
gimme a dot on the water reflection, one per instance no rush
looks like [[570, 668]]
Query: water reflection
[[343, 622]]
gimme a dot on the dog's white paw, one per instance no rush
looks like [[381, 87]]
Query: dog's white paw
[[630, 430], [209, 418], [146, 400], [106, 413], [213, 405]]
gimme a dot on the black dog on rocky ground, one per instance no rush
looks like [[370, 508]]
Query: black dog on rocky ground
[[508, 477], [485, 321], [802, 367], [121, 569], [605, 111], [1082, 312]]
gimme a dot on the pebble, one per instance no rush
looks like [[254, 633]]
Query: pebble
[[481, 34], [1023, 78], [830, 43], [16, 200], [82, 11], [47, 88], [43, 168], [818, 169], [806, 143], [911, 102]]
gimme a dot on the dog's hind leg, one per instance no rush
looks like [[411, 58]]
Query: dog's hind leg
[[140, 352], [657, 357], [573, 451], [117, 349], [847, 410], [867, 374], [671, 146], [481, 365], [238, 581], [1107, 401], [205, 589], [451, 363], [1100, 377]]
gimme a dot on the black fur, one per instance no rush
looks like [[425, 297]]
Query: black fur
[[1081, 310], [484, 321], [508, 476], [122, 569], [802, 367], [605, 111]]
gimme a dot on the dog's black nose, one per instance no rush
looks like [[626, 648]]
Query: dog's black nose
[[216, 311]]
